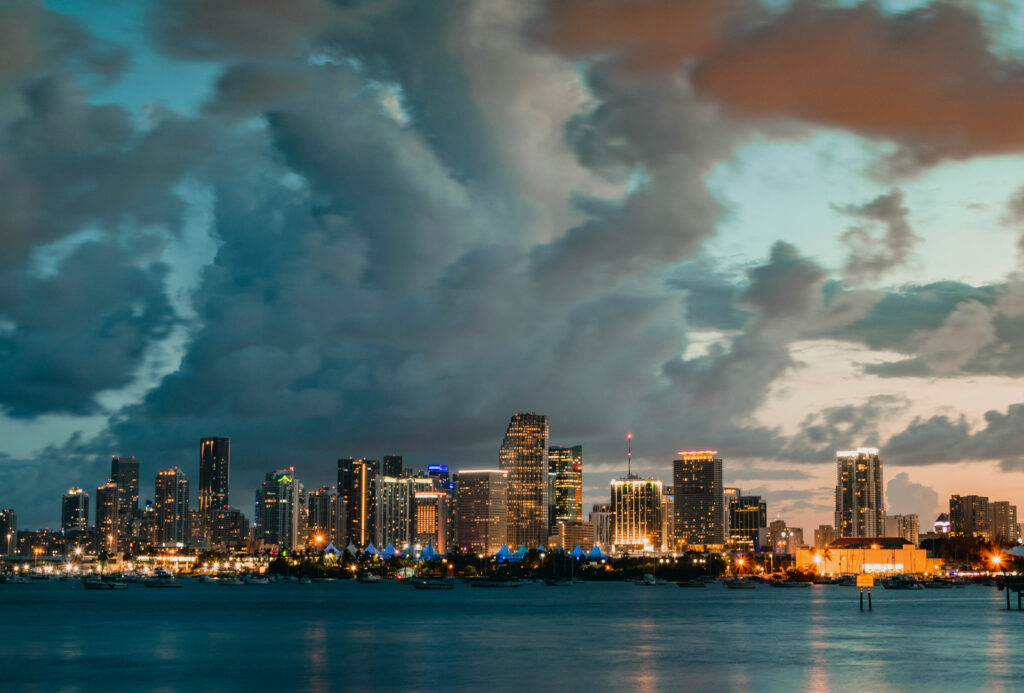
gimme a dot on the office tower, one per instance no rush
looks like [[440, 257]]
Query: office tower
[[604, 525], [8, 531], [860, 502], [906, 526], [729, 494], [439, 473], [277, 510], [524, 455], [566, 464], [230, 529], [748, 522], [320, 517], [697, 481], [668, 517], [356, 479], [106, 516], [171, 507], [431, 515], [214, 478], [124, 472], [482, 509], [968, 516], [569, 535], [393, 505], [74, 514], [391, 465], [636, 514], [824, 535], [1002, 522]]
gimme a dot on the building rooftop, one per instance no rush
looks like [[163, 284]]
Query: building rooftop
[[870, 543]]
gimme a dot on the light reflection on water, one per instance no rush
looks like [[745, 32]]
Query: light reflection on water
[[348, 636]]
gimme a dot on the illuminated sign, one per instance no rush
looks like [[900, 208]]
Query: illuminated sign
[[438, 468]]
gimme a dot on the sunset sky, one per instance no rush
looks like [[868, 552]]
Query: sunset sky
[[774, 229]]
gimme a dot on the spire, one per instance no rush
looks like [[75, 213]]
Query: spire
[[629, 455]]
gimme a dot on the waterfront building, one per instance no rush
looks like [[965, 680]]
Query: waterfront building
[[729, 494], [356, 478], [106, 516], [393, 506], [230, 528], [431, 518], [171, 507], [1002, 522], [637, 514], [748, 522], [881, 555], [74, 515], [604, 525], [569, 535], [860, 501], [824, 535], [320, 517], [906, 526], [393, 466], [277, 510], [8, 531], [214, 479], [699, 499], [524, 456], [566, 464], [482, 509], [968, 516]]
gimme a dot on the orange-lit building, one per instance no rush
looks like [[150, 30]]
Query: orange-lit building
[[881, 555]]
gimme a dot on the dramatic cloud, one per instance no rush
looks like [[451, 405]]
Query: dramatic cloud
[[904, 497], [942, 439], [871, 256]]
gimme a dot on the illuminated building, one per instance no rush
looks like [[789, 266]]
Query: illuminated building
[[824, 535], [603, 523], [968, 516], [776, 541], [908, 527], [1002, 521], [277, 510], [356, 492], [391, 465], [106, 516], [748, 522], [636, 514], [75, 510], [860, 501], [567, 466], [941, 524], [697, 482], [214, 478], [569, 535], [668, 517], [729, 494], [124, 472], [320, 517], [430, 520], [393, 505], [879, 555], [230, 529], [439, 473], [171, 506], [8, 531], [482, 510], [524, 455]]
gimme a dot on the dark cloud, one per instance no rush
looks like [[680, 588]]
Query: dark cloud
[[872, 256], [842, 427], [943, 439], [904, 497]]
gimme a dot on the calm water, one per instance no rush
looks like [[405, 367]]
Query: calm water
[[595, 636]]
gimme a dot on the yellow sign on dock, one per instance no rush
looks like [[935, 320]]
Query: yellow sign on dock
[[865, 580]]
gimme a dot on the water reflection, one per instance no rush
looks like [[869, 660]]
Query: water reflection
[[817, 673], [645, 674], [316, 655]]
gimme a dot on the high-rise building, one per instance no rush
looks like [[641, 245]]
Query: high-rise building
[[8, 531], [356, 478], [124, 471], [729, 494], [430, 515], [748, 522], [604, 524], [277, 510], [171, 507], [320, 517], [569, 535], [230, 528], [482, 509], [824, 535], [968, 516], [394, 510], [777, 536], [697, 482], [636, 514], [1002, 522], [566, 463], [214, 478], [391, 465], [524, 455], [75, 510], [860, 501], [668, 517], [106, 516], [906, 526]]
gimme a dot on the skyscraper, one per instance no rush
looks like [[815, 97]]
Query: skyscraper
[[636, 506], [124, 472], [171, 507], [697, 481], [482, 509], [230, 528], [8, 531], [277, 510], [430, 510], [106, 516], [906, 526], [748, 522], [393, 508], [524, 455], [391, 465], [567, 465], [729, 494], [214, 478], [320, 517], [860, 503], [969, 516], [1002, 522], [74, 514], [356, 479]]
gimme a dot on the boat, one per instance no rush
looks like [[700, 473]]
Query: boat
[[435, 584], [206, 578], [17, 580], [369, 578], [497, 582], [38, 576], [691, 583], [557, 582], [305, 580], [740, 584], [98, 583], [254, 579], [230, 581], [646, 581], [938, 585], [848, 581], [162, 579], [789, 583], [902, 582]]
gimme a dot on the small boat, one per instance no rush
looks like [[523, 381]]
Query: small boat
[[691, 583], [901, 582], [938, 585], [497, 582], [230, 581], [162, 580], [646, 581], [305, 580], [789, 583], [17, 580], [97, 583], [38, 576], [369, 578], [206, 578], [435, 584], [255, 579], [740, 584], [848, 581], [557, 582]]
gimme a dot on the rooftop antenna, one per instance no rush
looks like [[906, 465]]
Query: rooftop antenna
[[629, 455]]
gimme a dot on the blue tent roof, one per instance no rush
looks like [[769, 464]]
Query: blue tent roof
[[596, 553], [541, 548], [371, 549], [351, 549], [429, 553], [522, 550], [578, 552], [503, 553], [390, 552]]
